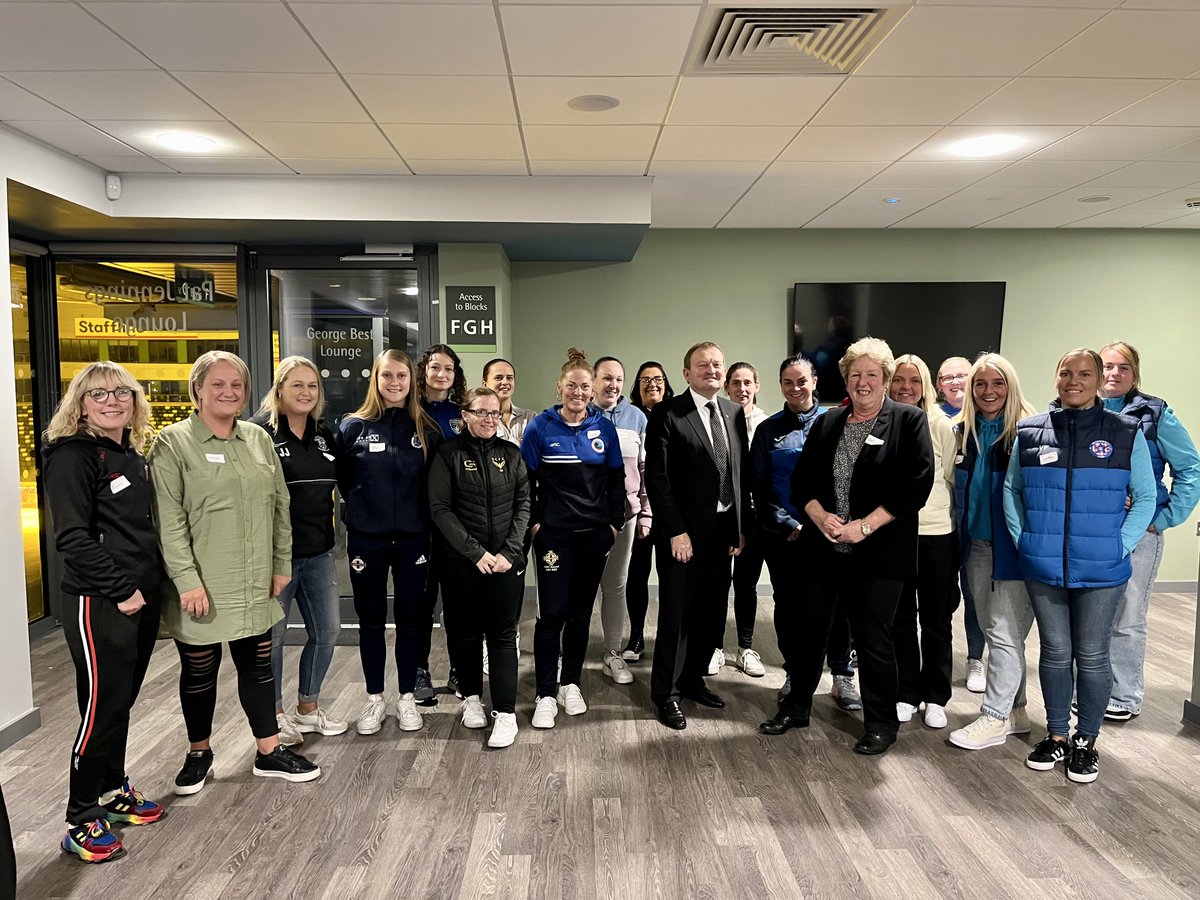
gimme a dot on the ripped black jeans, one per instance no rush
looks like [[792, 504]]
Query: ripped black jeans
[[199, 665]]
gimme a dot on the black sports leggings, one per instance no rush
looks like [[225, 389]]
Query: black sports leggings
[[199, 664]]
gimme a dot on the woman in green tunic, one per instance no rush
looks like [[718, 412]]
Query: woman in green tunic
[[226, 536]]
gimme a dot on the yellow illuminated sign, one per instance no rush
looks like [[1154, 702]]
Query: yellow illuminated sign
[[100, 328]]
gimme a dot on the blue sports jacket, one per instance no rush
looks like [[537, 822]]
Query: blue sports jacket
[[576, 471], [777, 445], [1005, 565]]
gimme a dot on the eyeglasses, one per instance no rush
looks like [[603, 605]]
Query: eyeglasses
[[100, 395], [950, 379], [648, 380], [494, 415]]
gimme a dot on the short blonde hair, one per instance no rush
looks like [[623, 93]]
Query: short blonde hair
[[928, 401], [68, 418], [270, 403], [1131, 355], [874, 349], [205, 362]]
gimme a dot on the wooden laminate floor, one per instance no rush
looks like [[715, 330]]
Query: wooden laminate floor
[[611, 804]]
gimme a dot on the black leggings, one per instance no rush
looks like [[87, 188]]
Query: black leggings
[[479, 606], [637, 589], [747, 568], [198, 667]]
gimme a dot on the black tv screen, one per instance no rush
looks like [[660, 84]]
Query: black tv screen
[[934, 320]]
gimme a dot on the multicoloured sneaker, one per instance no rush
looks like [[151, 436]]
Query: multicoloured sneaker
[[92, 842], [131, 807]]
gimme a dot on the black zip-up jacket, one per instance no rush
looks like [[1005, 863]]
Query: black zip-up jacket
[[100, 499], [381, 473], [479, 500], [310, 470]]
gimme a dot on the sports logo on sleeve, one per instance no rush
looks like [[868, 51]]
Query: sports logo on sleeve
[[598, 445], [416, 442], [1100, 449], [456, 425]]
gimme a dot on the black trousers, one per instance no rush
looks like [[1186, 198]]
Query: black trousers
[[924, 665], [111, 652], [870, 605], [747, 568], [637, 585], [427, 615], [692, 599], [479, 606], [198, 668], [787, 572], [569, 567]]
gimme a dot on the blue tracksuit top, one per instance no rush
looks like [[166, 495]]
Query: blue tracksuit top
[[777, 445], [979, 498], [577, 473]]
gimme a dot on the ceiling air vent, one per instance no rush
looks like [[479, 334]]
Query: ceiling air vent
[[780, 40]]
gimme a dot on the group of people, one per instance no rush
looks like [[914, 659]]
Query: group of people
[[869, 517]]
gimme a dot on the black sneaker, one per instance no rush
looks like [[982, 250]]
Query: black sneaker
[[1117, 714], [191, 777], [423, 691], [633, 650], [283, 762], [452, 684], [1046, 754], [1084, 764]]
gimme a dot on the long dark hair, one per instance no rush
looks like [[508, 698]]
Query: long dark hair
[[635, 393], [458, 389]]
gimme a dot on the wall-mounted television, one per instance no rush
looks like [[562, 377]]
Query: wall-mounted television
[[933, 319]]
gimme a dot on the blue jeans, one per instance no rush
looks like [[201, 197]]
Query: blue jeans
[[1075, 625], [971, 626], [1006, 617], [1128, 652], [314, 587]]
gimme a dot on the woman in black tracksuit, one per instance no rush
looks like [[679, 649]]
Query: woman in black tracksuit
[[100, 500], [479, 503]]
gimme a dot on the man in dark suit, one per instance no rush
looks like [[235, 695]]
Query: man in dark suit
[[697, 477]]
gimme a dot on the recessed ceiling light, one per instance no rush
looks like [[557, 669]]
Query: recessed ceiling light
[[1099, 198], [410, 291], [593, 103], [335, 285], [891, 200], [186, 141], [987, 145]]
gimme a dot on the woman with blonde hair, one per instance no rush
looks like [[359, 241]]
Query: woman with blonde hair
[[991, 409], [100, 500], [384, 451], [925, 666], [291, 413], [226, 536]]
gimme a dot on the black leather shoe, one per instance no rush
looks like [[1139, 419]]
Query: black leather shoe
[[672, 716], [704, 697], [783, 722], [874, 743]]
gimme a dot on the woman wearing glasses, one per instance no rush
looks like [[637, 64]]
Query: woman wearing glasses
[[650, 388], [501, 377], [479, 503], [100, 499]]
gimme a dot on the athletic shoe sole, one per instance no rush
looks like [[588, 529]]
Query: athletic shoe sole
[[132, 819], [73, 850], [1117, 715], [967, 745], [364, 731], [186, 790], [1082, 777], [623, 678], [317, 729], [630, 657], [1041, 766], [295, 777]]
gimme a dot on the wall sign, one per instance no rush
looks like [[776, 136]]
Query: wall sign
[[471, 318]]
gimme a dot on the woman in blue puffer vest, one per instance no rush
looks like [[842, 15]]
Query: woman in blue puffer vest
[[1069, 477]]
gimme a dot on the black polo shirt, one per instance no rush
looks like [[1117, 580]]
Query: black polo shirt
[[309, 467]]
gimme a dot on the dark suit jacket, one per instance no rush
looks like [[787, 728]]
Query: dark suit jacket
[[894, 470], [681, 471]]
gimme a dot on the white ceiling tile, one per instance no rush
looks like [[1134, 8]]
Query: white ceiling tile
[[1177, 104], [346, 166], [54, 37], [845, 175], [597, 40], [588, 167], [774, 200], [208, 37], [18, 103], [468, 166], [143, 136], [590, 142], [1189, 152], [751, 215], [1058, 101], [697, 200], [1064, 208], [276, 97], [1081, 4], [974, 40], [1161, 4], [229, 165], [1058, 174], [122, 165], [911, 199], [865, 143], [427, 39], [437, 99], [731, 142], [955, 175], [1188, 221], [456, 141], [857, 217], [644, 100], [586, 2], [1130, 44], [1150, 174], [320, 141], [1033, 138], [1126, 218], [1171, 201], [747, 171], [1118, 142], [750, 99], [117, 95], [972, 207], [75, 137], [904, 101]]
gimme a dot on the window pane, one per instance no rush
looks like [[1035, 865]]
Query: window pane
[[27, 442]]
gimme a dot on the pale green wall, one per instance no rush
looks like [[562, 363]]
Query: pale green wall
[[1065, 288], [476, 264]]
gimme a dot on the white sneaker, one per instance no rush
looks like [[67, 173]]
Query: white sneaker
[[935, 716], [718, 660], [544, 712], [1018, 721], [615, 668], [372, 715], [289, 734], [570, 698], [485, 659], [904, 711], [407, 713], [504, 732], [472, 712], [318, 722], [976, 676], [751, 663], [985, 731]]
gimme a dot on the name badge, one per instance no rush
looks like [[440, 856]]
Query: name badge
[[1048, 456], [594, 433], [958, 459], [377, 448], [215, 457], [119, 484], [329, 456], [874, 441]]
